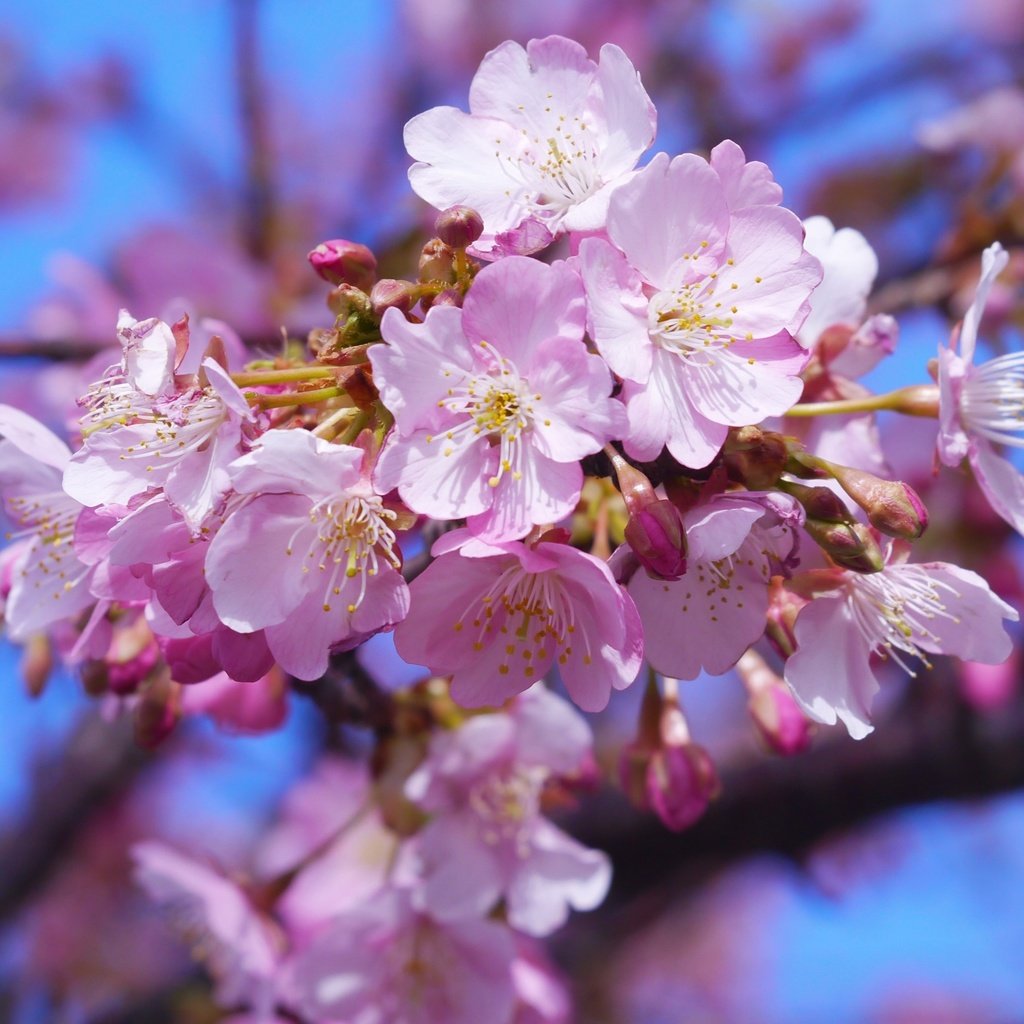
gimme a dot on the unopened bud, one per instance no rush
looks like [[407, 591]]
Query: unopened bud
[[459, 226], [819, 503], [156, 710], [893, 507], [340, 261], [681, 782], [389, 293], [849, 545], [36, 663], [658, 538], [347, 300], [990, 687], [447, 297], [755, 457], [779, 720], [437, 262]]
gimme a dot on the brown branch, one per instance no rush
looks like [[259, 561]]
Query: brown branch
[[99, 761], [928, 750]]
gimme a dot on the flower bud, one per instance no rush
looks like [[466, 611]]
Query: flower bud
[[390, 293], [849, 545], [437, 262], [36, 663], [340, 261], [755, 457], [447, 297], [459, 226], [347, 300], [156, 710], [658, 538], [990, 687], [681, 782], [779, 720], [663, 770], [893, 507], [819, 503]]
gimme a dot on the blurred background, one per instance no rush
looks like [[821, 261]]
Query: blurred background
[[188, 153]]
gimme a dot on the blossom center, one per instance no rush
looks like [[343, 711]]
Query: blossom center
[[348, 539], [506, 803], [554, 167], [531, 617], [690, 321], [894, 611], [992, 400], [499, 405]]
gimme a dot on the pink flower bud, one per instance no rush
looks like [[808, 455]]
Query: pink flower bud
[[391, 293], [681, 781], [990, 687], [340, 261], [779, 720], [658, 538], [459, 226], [893, 507]]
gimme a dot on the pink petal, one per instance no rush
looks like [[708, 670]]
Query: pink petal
[[519, 303], [410, 370], [654, 226], [832, 680], [745, 184], [616, 309]]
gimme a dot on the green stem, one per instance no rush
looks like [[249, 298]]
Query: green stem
[[294, 397], [917, 400], [257, 377], [351, 432]]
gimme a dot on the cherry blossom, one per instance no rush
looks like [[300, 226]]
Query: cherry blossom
[[695, 306], [243, 948], [548, 136], [384, 962], [705, 620], [487, 839], [905, 612], [497, 617], [49, 582], [311, 559], [495, 404], [981, 407]]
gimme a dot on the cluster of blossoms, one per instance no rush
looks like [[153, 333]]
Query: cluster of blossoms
[[525, 468]]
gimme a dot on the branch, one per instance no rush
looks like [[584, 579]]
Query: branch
[[97, 763]]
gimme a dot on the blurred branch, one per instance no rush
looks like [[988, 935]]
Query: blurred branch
[[98, 761], [259, 200], [930, 750]]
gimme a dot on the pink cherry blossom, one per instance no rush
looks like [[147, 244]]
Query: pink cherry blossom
[[49, 582], [695, 306], [181, 440], [705, 620], [850, 267], [549, 135], [980, 407], [311, 558], [905, 612], [386, 963], [498, 617], [332, 835], [242, 948], [487, 839], [495, 404]]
